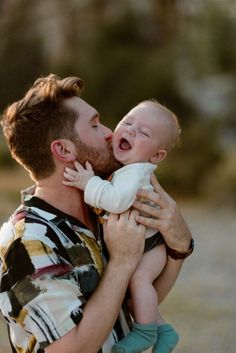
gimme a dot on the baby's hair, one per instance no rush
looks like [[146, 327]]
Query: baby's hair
[[173, 120]]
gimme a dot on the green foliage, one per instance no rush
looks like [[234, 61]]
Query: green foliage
[[21, 56], [220, 184], [5, 157]]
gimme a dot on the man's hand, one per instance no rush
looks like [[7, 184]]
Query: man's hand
[[124, 239], [167, 218], [80, 176]]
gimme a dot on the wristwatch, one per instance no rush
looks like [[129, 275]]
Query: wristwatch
[[180, 255]]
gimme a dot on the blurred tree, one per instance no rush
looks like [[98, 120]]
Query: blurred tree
[[188, 165], [166, 18], [179, 52], [21, 56]]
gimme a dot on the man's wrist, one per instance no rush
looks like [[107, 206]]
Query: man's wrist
[[128, 267], [180, 255]]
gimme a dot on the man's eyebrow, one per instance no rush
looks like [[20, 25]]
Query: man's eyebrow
[[94, 117]]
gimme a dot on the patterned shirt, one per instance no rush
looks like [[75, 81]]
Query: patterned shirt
[[50, 264]]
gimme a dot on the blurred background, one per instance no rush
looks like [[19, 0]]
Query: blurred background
[[183, 53]]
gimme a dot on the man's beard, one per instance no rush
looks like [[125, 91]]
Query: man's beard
[[102, 160]]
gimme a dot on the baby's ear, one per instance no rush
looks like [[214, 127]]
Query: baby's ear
[[63, 150], [158, 157]]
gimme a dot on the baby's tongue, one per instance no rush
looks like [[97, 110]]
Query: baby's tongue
[[124, 145]]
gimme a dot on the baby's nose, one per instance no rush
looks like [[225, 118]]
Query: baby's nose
[[131, 131]]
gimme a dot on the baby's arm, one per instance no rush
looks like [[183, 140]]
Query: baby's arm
[[79, 177], [116, 196]]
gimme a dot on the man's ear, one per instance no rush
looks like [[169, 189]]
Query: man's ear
[[158, 157], [63, 150]]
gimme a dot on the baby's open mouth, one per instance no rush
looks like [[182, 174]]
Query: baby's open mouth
[[124, 144]]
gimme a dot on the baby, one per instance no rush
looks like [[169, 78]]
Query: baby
[[141, 140]]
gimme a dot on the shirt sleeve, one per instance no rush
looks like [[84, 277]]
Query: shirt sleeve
[[118, 195]]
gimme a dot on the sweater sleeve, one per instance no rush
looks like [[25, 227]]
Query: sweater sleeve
[[116, 196]]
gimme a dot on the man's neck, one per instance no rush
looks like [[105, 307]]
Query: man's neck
[[67, 199]]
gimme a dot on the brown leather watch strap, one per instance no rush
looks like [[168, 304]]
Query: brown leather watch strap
[[180, 255]]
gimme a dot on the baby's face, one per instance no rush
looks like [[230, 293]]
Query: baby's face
[[138, 136]]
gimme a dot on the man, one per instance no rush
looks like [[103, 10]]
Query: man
[[57, 293]]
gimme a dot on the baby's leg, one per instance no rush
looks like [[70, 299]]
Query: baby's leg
[[144, 302], [143, 294]]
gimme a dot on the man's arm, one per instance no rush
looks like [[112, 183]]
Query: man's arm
[[168, 277], [169, 221], [125, 243]]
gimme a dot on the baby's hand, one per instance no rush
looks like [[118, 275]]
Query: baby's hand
[[78, 177]]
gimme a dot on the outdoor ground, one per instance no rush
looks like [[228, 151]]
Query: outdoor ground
[[202, 305]]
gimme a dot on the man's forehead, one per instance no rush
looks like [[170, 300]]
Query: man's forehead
[[81, 107]]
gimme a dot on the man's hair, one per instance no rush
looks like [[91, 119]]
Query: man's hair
[[32, 123]]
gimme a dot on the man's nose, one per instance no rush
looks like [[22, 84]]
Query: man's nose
[[107, 133]]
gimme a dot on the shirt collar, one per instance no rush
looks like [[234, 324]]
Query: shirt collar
[[46, 210]]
